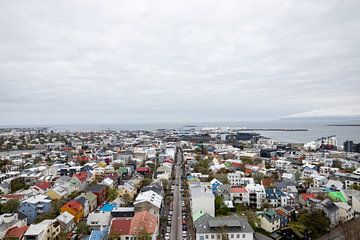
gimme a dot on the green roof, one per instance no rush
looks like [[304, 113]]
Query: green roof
[[337, 196], [197, 214]]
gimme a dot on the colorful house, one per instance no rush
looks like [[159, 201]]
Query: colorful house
[[74, 208], [100, 191]]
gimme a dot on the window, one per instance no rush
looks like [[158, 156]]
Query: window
[[206, 236], [232, 235], [244, 235], [212, 236]]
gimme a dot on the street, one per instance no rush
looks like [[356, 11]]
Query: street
[[176, 230]]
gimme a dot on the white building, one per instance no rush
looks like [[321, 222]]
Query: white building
[[256, 194]]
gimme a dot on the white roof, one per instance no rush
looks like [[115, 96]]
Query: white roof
[[37, 198], [149, 196], [98, 219], [107, 181], [65, 217]]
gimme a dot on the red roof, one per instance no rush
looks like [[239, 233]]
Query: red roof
[[13, 196], [238, 190], [16, 232], [73, 204], [143, 169], [267, 182], [306, 196], [43, 185], [82, 176], [280, 212], [120, 226], [143, 221]]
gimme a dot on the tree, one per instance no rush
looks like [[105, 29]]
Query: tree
[[116, 166], [111, 194], [82, 228], [126, 198], [220, 207], [258, 176], [141, 232], [10, 206], [145, 182], [315, 221], [17, 184]]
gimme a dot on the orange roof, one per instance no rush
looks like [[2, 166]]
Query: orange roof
[[16, 232], [120, 226], [238, 190], [143, 221], [306, 196]]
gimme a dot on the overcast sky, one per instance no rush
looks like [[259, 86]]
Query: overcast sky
[[173, 61]]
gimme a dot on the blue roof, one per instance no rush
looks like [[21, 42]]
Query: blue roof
[[270, 193], [108, 207], [98, 235]]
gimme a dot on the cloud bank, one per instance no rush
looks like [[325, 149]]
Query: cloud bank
[[161, 61]]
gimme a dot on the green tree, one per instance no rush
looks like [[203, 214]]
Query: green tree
[[82, 228], [111, 194], [145, 182], [258, 176], [10, 206], [17, 184], [220, 207], [316, 222]]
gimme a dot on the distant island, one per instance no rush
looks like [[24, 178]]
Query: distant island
[[343, 125], [276, 129]]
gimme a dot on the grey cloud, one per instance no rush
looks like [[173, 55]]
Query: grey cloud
[[119, 61]]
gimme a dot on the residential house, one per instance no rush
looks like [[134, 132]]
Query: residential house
[[85, 203], [120, 227], [215, 185], [91, 198], [42, 187], [82, 178], [144, 221], [331, 211], [228, 227], [239, 195], [47, 229], [149, 201], [100, 191], [66, 221], [127, 188], [57, 193], [33, 206], [353, 197], [9, 221], [74, 208], [269, 220], [16, 233], [346, 212], [98, 220]]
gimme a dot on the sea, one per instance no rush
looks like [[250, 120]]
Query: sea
[[316, 129]]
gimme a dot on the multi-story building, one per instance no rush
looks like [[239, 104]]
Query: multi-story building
[[33, 206], [256, 195], [229, 227]]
